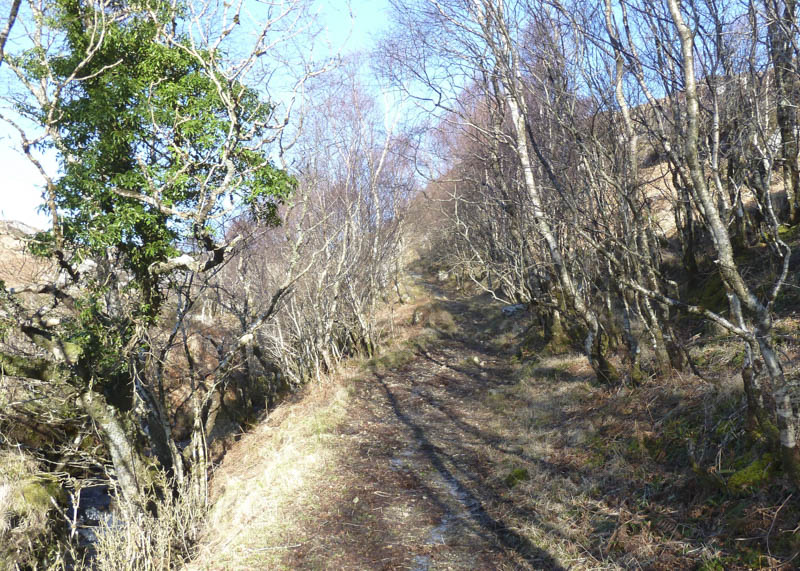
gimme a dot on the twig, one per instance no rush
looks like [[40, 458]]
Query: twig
[[774, 519], [274, 548]]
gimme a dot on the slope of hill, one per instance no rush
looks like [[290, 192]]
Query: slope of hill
[[450, 452], [17, 269]]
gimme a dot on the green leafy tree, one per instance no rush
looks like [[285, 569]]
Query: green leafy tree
[[159, 141]]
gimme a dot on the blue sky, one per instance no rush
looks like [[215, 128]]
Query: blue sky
[[20, 191]]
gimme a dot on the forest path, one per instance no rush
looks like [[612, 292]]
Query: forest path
[[446, 452], [415, 472], [420, 494]]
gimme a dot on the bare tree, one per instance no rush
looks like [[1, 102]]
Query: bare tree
[[483, 49], [346, 223]]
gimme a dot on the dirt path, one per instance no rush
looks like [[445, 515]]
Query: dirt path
[[420, 492], [446, 454]]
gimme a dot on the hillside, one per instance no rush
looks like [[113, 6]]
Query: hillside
[[516, 289], [16, 268], [450, 452]]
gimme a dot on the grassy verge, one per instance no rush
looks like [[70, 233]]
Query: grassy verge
[[263, 481], [281, 475]]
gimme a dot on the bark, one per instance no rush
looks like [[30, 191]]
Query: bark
[[128, 465], [12, 18], [557, 338], [496, 34], [159, 435], [597, 348], [781, 30]]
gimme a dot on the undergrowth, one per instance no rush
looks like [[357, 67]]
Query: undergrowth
[[672, 460], [161, 536]]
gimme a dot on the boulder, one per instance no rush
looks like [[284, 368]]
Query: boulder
[[511, 310]]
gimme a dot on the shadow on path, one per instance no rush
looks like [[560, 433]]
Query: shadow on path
[[497, 530]]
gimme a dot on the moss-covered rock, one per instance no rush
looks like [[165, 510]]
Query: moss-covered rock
[[391, 360], [710, 294], [26, 501], [636, 375], [753, 475], [442, 320]]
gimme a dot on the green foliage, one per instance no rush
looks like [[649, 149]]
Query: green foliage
[[786, 232], [149, 135], [756, 474], [712, 565], [42, 244], [516, 476], [155, 144], [149, 118]]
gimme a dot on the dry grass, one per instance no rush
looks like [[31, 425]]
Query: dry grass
[[268, 480], [613, 485], [161, 537]]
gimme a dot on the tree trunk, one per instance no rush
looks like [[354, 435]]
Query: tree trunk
[[781, 30], [557, 338], [780, 394], [515, 100], [128, 465]]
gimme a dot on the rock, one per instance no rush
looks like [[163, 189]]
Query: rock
[[511, 310]]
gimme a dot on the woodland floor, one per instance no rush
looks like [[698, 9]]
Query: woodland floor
[[449, 454]]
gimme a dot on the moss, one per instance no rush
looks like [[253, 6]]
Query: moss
[[786, 232], [710, 294], [754, 475], [637, 376], [30, 367], [532, 343], [655, 447], [712, 565], [526, 370], [392, 359], [787, 542], [558, 342], [435, 317], [422, 341], [36, 495], [26, 501], [737, 360], [516, 476], [606, 372], [497, 402], [557, 346]]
